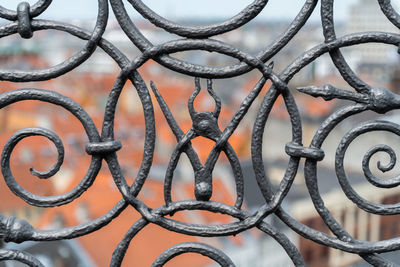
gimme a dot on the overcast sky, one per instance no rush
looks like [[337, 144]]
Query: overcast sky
[[222, 9]]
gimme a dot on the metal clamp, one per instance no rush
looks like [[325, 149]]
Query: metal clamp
[[24, 20]]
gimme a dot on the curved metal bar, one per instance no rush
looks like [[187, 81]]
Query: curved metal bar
[[19, 256], [38, 8], [36, 131], [246, 15], [192, 247], [381, 209], [205, 124], [337, 57], [390, 12], [69, 64], [91, 131], [205, 71]]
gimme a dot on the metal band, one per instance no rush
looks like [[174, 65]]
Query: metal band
[[295, 150], [103, 147], [24, 20]]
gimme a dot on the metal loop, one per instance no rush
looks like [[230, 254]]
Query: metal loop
[[24, 20], [295, 150], [38, 8], [199, 248], [72, 62], [103, 147]]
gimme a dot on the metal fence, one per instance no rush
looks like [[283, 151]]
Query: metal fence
[[102, 146]]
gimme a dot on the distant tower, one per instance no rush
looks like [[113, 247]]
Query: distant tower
[[373, 59]]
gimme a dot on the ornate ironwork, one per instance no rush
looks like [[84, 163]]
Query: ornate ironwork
[[103, 146]]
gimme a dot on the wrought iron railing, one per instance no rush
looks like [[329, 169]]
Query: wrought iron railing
[[103, 147]]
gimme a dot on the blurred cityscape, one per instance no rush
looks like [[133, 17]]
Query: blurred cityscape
[[90, 84]]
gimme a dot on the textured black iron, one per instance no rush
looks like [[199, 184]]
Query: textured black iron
[[203, 249], [205, 124], [103, 146]]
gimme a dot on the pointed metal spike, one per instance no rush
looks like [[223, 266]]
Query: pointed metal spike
[[271, 65], [329, 92]]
